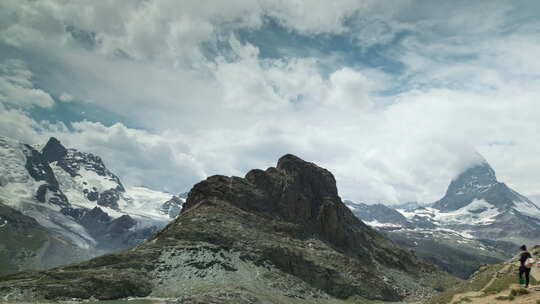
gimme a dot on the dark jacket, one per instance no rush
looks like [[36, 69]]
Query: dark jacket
[[524, 256]]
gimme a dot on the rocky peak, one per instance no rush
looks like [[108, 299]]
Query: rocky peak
[[54, 150], [479, 176], [478, 182], [295, 191]]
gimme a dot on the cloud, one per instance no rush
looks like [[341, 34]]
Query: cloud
[[395, 117], [16, 87], [65, 97]]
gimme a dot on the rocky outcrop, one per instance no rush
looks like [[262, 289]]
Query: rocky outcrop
[[109, 198], [53, 150], [172, 207], [274, 235]]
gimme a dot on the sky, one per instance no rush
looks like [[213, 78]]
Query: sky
[[394, 97]]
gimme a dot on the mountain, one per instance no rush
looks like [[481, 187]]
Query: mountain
[[488, 209], [281, 235], [449, 249], [74, 205], [478, 220]]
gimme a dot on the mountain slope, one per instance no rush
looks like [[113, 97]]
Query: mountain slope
[[449, 249], [76, 201], [494, 283], [273, 236], [478, 220], [25, 244]]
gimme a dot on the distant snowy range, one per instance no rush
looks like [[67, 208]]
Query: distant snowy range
[[479, 220], [60, 205]]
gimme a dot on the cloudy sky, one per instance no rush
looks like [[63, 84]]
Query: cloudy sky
[[394, 97]]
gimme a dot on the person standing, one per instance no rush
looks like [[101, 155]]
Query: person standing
[[524, 266]]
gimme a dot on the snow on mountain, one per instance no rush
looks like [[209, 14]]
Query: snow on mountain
[[426, 231], [479, 183], [478, 212], [144, 202], [477, 205], [77, 199]]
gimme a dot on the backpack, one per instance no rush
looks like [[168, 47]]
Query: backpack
[[529, 263]]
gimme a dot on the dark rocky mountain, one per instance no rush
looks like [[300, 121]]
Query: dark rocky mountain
[[75, 201], [275, 236]]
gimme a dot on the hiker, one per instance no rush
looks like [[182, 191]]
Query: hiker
[[525, 265]]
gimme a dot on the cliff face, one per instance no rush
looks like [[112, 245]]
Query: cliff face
[[274, 235]]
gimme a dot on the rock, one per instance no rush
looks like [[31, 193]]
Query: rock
[[38, 167], [109, 198], [52, 195], [172, 207], [53, 150]]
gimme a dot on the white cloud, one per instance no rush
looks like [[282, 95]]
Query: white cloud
[[65, 97], [16, 87], [469, 81]]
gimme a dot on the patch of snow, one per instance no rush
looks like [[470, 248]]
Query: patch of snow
[[90, 180], [527, 208], [144, 202], [467, 215], [378, 224], [478, 212], [350, 207], [61, 224]]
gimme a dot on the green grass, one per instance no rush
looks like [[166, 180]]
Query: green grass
[[513, 294], [519, 292], [506, 280], [477, 284]]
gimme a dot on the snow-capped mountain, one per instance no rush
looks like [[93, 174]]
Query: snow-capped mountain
[[478, 204], [479, 186], [76, 201], [479, 218]]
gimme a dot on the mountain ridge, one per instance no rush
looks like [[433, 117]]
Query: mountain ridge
[[61, 188], [281, 234]]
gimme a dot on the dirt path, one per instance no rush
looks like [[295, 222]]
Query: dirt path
[[480, 293], [531, 298], [480, 297], [503, 270]]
